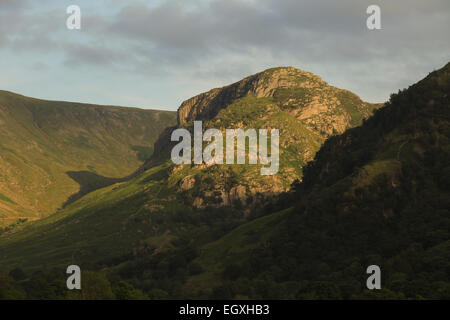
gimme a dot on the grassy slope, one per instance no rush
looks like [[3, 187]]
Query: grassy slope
[[40, 141], [104, 224], [232, 247]]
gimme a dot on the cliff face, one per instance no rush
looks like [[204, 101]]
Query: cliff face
[[205, 106]]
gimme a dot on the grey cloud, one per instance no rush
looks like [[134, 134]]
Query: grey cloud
[[322, 27], [12, 4], [81, 54], [220, 41], [326, 35], [25, 30]]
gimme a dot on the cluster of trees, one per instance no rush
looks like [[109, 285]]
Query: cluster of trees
[[398, 218], [51, 284]]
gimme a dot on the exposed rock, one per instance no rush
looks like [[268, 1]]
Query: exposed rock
[[187, 183], [238, 193], [263, 84], [198, 203]]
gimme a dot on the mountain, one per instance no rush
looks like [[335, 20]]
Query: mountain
[[51, 149], [164, 210], [379, 194], [304, 108], [163, 213]]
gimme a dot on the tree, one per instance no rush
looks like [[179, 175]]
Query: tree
[[125, 291], [8, 289]]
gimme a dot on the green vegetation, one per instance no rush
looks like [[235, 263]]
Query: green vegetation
[[143, 152], [359, 204], [19, 285]]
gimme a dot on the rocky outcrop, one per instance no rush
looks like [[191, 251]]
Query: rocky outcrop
[[264, 84], [187, 183]]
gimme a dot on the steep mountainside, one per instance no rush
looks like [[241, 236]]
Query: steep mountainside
[[49, 148], [378, 194]]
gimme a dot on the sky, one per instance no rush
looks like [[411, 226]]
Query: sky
[[156, 54]]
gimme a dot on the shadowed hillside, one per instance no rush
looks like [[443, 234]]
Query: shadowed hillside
[[377, 194]]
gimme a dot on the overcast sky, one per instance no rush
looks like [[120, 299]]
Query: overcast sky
[[155, 54]]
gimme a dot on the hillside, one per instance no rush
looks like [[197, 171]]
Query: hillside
[[50, 149], [377, 194], [159, 218]]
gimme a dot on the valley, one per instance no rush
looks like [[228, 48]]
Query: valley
[[345, 197]]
